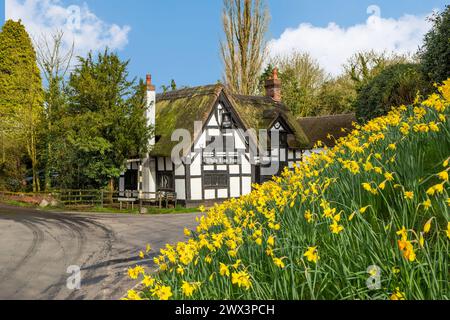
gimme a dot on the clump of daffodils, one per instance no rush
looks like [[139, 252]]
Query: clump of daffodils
[[379, 197]]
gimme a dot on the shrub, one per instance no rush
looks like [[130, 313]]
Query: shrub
[[435, 54], [368, 219], [396, 85]]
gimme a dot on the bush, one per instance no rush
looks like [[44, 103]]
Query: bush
[[368, 219], [396, 85], [435, 54]]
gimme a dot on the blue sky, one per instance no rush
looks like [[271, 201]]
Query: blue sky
[[180, 39]]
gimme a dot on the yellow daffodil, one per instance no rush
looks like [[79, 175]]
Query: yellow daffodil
[[427, 204], [237, 264], [189, 288], [271, 241], [409, 195], [448, 230], [336, 228], [352, 216], [398, 295], [389, 176], [224, 270], [395, 270], [312, 255], [180, 270], [364, 209], [148, 281], [328, 212], [443, 175], [308, 216], [134, 273], [133, 295], [162, 292], [421, 240], [403, 233], [279, 263], [241, 279], [427, 226], [407, 249]]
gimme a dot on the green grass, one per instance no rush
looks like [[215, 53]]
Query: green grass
[[17, 203], [114, 210], [97, 209]]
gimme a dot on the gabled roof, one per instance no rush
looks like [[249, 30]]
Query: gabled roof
[[320, 128], [181, 108]]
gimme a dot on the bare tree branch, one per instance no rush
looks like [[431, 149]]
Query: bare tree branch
[[243, 51]]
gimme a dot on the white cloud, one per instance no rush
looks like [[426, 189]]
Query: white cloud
[[79, 24], [333, 45]]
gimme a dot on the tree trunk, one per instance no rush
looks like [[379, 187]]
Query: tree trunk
[[111, 190]]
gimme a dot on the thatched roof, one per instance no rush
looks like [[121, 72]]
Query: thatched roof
[[181, 108], [320, 128]]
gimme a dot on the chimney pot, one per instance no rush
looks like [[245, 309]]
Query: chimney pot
[[273, 86], [150, 86]]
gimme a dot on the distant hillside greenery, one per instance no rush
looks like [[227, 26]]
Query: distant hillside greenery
[[368, 219]]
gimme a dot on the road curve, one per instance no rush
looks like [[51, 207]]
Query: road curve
[[37, 247]]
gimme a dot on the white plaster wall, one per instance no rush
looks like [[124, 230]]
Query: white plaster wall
[[213, 132], [222, 193], [235, 187], [196, 189], [213, 121], [246, 185], [168, 164], [291, 154], [234, 169], [180, 188], [210, 194], [196, 166], [282, 154], [246, 166], [179, 170]]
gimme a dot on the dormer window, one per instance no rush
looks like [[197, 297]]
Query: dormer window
[[226, 120]]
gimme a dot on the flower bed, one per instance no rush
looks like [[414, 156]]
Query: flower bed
[[368, 219]]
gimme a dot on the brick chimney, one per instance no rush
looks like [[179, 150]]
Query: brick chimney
[[151, 106], [273, 86]]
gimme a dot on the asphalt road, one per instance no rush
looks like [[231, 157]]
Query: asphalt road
[[36, 249]]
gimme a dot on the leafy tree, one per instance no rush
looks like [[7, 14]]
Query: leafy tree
[[364, 66], [337, 96], [435, 54], [396, 85], [245, 24], [104, 123], [21, 96], [54, 62], [302, 79]]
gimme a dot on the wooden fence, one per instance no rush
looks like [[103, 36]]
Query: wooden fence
[[99, 197]]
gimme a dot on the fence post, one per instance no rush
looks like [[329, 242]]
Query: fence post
[[140, 202]]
